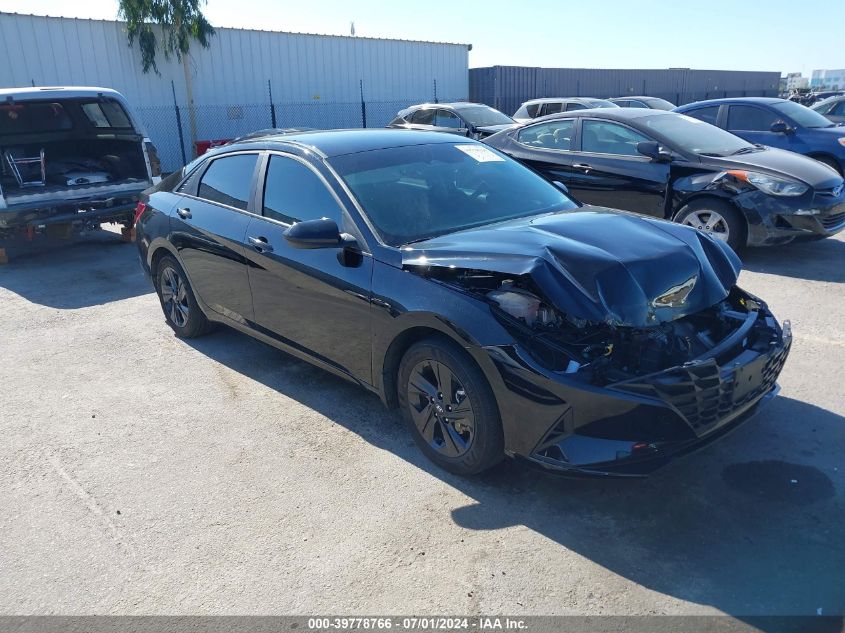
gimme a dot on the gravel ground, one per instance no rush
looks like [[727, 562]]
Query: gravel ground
[[141, 474]]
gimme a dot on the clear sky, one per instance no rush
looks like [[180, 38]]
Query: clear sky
[[775, 35]]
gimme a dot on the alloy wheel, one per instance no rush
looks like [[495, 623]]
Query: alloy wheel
[[711, 222], [440, 408], [174, 297]]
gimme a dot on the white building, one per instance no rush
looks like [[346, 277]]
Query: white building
[[796, 81]]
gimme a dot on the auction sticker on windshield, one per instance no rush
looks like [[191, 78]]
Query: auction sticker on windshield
[[479, 153]]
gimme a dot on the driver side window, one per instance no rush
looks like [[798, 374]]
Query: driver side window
[[294, 192], [604, 137]]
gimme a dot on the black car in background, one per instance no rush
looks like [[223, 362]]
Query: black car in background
[[653, 103], [671, 166], [497, 314], [474, 120], [536, 108]]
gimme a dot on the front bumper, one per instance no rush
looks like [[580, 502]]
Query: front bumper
[[778, 220], [634, 427]]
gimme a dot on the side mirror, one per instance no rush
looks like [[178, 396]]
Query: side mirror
[[653, 150], [561, 186], [780, 127], [314, 234]]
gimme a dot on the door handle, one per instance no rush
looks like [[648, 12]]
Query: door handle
[[260, 244], [583, 167], [185, 214]]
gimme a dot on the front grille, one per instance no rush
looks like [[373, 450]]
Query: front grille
[[832, 221], [703, 394]]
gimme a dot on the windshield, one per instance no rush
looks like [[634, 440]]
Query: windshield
[[657, 103], [481, 116], [420, 191], [695, 136], [802, 115]]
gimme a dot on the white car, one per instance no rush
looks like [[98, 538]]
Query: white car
[[541, 107]]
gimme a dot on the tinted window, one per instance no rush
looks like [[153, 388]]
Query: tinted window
[[710, 114], [106, 114], [228, 180], [802, 115], [838, 109], [445, 118], [623, 104], [637, 104], [293, 192], [552, 135], [532, 110], [575, 106], [742, 117], [27, 118], [552, 108], [603, 137], [412, 193], [423, 117], [482, 115]]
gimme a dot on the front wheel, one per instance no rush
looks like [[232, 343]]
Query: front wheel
[[716, 218], [449, 408]]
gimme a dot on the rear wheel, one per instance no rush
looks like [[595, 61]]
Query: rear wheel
[[178, 302], [449, 408], [716, 218]]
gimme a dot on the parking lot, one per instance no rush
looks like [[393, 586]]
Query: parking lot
[[146, 474]]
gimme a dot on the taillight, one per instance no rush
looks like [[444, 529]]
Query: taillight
[[138, 211], [155, 163]]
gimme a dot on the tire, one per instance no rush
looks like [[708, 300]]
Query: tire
[[470, 442], [730, 226], [183, 315], [830, 163]]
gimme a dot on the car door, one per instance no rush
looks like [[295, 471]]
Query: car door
[[837, 112], [315, 301], [448, 121], [546, 147], [754, 123], [208, 229], [608, 170]]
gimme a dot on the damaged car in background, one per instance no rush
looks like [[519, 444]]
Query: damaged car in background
[[500, 316], [676, 167], [70, 158]]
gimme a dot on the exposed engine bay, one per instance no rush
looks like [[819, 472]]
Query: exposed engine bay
[[603, 353]]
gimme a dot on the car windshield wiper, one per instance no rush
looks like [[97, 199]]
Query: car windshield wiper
[[747, 150]]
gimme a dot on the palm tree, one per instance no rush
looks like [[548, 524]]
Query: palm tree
[[179, 22]]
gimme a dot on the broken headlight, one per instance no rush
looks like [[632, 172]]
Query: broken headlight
[[524, 306], [772, 185]]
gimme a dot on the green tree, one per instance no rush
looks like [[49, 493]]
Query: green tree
[[178, 21]]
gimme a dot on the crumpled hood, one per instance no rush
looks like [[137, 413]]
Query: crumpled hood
[[594, 263]]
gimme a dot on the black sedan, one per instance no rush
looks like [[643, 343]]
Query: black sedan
[[675, 167], [474, 120], [463, 288]]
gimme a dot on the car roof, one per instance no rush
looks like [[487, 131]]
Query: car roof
[[455, 105], [563, 100], [758, 100], [614, 114], [626, 97], [31, 93], [328, 143]]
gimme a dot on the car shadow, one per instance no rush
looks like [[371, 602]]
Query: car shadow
[[746, 526], [94, 268], [812, 260]]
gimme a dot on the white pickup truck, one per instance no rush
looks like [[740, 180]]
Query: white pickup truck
[[70, 156]]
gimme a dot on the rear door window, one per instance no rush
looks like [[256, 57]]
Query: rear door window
[[423, 117], [228, 180], [575, 106], [532, 110], [551, 108], [710, 114], [750, 118], [552, 135]]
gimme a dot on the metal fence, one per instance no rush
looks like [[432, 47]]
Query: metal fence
[[169, 126]]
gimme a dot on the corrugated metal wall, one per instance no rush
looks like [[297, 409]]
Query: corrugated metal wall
[[316, 80], [506, 87]]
